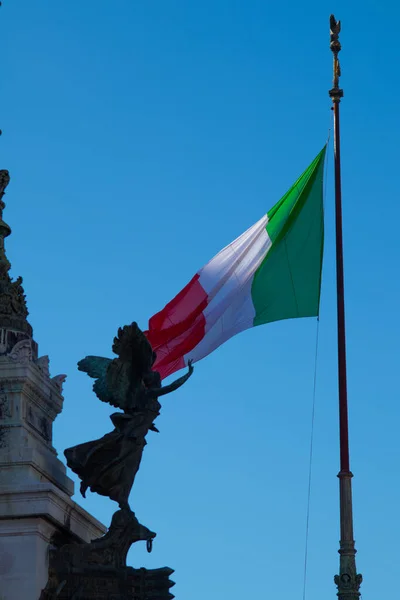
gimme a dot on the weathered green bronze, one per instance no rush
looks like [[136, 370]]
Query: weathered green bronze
[[109, 465]]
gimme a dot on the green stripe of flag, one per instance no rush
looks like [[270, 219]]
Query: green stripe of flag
[[287, 284]]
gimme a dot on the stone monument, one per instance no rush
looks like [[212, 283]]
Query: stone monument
[[36, 510]]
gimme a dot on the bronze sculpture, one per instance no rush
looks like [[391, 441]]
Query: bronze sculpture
[[109, 465]]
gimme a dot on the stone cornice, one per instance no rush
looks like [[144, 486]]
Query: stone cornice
[[45, 499]]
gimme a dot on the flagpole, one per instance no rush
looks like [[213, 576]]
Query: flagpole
[[348, 581]]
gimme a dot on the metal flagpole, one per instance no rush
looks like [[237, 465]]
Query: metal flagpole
[[348, 581]]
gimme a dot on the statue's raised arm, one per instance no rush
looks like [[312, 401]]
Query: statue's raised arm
[[162, 391]]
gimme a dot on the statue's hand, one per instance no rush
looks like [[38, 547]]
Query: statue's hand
[[174, 385]]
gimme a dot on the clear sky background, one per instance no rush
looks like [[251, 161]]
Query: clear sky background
[[142, 136]]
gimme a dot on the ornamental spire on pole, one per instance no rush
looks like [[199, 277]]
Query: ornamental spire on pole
[[348, 581]]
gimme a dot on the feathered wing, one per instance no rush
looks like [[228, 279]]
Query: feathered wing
[[96, 367], [119, 380], [135, 359]]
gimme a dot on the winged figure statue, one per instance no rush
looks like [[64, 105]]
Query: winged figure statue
[[109, 465]]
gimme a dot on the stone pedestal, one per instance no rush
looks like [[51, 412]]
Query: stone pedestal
[[98, 571], [33, 520], [37, 514]]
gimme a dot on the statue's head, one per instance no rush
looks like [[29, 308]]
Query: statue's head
[[131, 345]]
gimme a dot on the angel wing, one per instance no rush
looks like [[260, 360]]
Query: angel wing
[[119, 381], [96, 367]]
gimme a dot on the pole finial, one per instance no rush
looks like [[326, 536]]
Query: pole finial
[[335, 93]]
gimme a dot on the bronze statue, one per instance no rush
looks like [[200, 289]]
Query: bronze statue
[[109, 465]]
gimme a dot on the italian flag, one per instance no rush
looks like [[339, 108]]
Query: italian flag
[[271, 272]]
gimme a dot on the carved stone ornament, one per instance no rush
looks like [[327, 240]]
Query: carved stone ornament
[[43, 363], [5, 408], [58, 380], [22, 352], [4, 181], [13, 309]]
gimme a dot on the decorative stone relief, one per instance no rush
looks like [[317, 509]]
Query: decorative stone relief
[[4, 431], [3, 341], [45, 429], [44, 401], [59, 380], [30, 416], [43, 364], [5, 408], [13, 309], [40, 423], [22, 352]]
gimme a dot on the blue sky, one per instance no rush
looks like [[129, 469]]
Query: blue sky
[[142, 137]]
